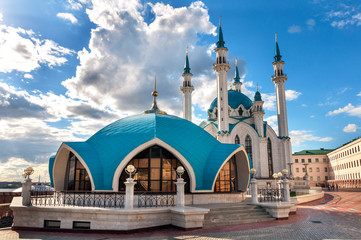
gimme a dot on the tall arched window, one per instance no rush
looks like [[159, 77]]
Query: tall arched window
[[248, 145], [76, 176], [236, 140], [240, 112], [156, 171], [270, 161], [226, 179]]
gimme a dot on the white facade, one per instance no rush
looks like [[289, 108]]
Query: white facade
[[346, 164]]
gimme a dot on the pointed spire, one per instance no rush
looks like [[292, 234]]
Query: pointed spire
[[187, 69], [278, 55], [236, 77], [155, 108], [221, 42], [257, 96]]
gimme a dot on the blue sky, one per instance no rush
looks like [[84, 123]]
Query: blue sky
[[68, 68]]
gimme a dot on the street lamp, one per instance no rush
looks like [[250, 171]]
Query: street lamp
[[285, 172], [28, 171], [180, 171], [130, 170], [253, 172]]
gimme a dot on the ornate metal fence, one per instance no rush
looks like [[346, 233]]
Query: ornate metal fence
[[155, 199], [270, 195], [81, 199]]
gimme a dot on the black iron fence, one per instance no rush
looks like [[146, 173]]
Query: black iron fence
[[155, 199], [81, 199], [270, 195]]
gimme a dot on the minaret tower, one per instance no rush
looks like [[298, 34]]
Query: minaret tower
[[187, 90], [279, 80], [258, 113], [237, 83], [221, 67]]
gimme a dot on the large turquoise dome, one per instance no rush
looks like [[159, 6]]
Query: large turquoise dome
[[235, 99], [106, 149]]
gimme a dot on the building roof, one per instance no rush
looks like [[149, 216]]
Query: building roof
[[104, 151], [321, 151], [257, 96], [235, 99]]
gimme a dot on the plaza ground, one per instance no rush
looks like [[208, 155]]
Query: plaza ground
[[337, 216]]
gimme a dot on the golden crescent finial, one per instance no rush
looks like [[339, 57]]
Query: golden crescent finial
[[236, 62], [220, 20], [276, 36], [187, 51]]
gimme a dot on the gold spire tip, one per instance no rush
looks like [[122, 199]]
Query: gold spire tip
[[276, 36], [187, 51], [236, 62], [220, 20]]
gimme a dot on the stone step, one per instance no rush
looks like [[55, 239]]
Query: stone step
[[232, 215], [236, 222], [230, 211], [235, 214]]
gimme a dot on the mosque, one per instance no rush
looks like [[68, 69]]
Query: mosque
[[216, 156]]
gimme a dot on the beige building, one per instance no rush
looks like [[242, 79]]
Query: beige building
[[346, 163], [313, 162]]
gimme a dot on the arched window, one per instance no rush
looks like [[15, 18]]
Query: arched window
[[248, 145], [220, 59], [240, 112], [76, 176], [236, 140], [224, 59], [226, 179], [156, 171], [270, 161]]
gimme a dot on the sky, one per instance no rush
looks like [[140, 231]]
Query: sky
[[69, 68]]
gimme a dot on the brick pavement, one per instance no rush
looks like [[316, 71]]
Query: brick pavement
[[337, 216]]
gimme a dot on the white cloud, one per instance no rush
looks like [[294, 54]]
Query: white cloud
[[300, 136], [126, 52], [272, 121], [74, 5], [13, 170], [1, 17], [68, 17], [359, 94], [21, 50], [28, 76], [349, 109], [350, 128], [344, 15], [310, 24], [294, 29], [292, 95]]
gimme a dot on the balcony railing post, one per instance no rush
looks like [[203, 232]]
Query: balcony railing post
[[180, 192], [129, 193]]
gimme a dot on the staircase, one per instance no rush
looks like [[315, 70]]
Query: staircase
[[233, 215]]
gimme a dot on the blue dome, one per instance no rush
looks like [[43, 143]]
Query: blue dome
[[235, 99], [106, 149]]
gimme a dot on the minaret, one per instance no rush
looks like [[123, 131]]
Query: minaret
[[237, 83], [279, 80], [221, 67], [187, 90], [258, 113]]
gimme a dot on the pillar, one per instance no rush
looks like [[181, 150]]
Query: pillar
[[254, 191], [26, 192], [286, 190], [180, 192], [129, 193]]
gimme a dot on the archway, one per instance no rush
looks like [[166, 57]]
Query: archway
[[156, 171], [234, 174]]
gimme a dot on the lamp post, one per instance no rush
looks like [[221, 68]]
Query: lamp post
[[180, 187], [291, 175], [129, 187], [254, 190], [26, 187]]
